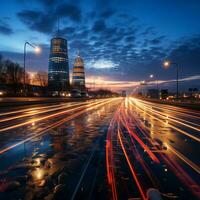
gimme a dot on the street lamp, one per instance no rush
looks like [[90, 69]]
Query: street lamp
[[37, 50], [143, 84], [167, 64], [151, 76]]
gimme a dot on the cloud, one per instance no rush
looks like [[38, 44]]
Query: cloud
[[34, 62], [117, 85], [130, 38], [67, 30], [186, 54], [45, 21], [49, 2], [107, 13], [149, 31], [99, 26], [101, 82], [102, 64], [70, 11], [157, 40], [112, 41], [5, 29], [189, 78], [37, 20]]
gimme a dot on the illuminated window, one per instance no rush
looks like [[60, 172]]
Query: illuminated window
[[57, 41], [78, 74], [57, 59]]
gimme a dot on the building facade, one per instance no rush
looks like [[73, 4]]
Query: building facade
[[58, 73], [153, 93], [78, 75]]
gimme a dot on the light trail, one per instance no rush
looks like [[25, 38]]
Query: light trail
[[181, 174], [167, 110], [130, 122], [131, 168], [83, 173], [54, 125], [178, 170], [109, 158], [183, 158], [180, 111], [170, 118], [144, 146], [29, 109], [39, 112], [144, 164], [133, 137], [45, 117], [175, 128], [178, 154], [136, 152]]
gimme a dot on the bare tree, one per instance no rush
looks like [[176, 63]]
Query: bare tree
[[10, 73], [42, 78]]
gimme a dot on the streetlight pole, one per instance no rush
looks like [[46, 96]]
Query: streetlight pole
[[37, 50], [25, 68], [177, 77], [167, 64], [143, 83]]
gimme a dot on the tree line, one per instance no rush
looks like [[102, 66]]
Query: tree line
[[13, 73], [12, 77]]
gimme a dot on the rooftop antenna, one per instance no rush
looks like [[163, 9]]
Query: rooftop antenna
[[58, 27], [78, 52]]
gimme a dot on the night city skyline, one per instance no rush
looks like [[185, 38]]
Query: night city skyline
[[122, 42], [100, 100]]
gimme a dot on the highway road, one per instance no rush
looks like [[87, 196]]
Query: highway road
[[115, 148]]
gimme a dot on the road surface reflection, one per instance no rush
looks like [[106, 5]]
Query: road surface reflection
[[119, 148]]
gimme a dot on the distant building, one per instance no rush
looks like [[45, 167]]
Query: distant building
[[193, 91], [78, 75], [164, 94], [123, 93], [153, 93], [58, 75]]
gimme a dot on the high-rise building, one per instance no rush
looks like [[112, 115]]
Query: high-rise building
[[78, 77], [58, 76]]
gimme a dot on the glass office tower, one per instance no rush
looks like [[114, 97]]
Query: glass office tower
[[58, 76], [78, 77]]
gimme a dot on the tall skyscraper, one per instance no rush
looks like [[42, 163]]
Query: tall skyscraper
[[78, 77], [58, 76]]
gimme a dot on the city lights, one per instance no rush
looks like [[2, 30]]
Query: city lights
[[99, 100], [151, 76], [166, 64], [37, 50]]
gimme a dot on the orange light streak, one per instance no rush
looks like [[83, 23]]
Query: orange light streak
[[182, 175], [56, 124], [175, 128], [178, 110], [170, 118], [144, 146], [39, 112], [29, 109], [131, 168], [46, 117], [109, 158], [183, 158]]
